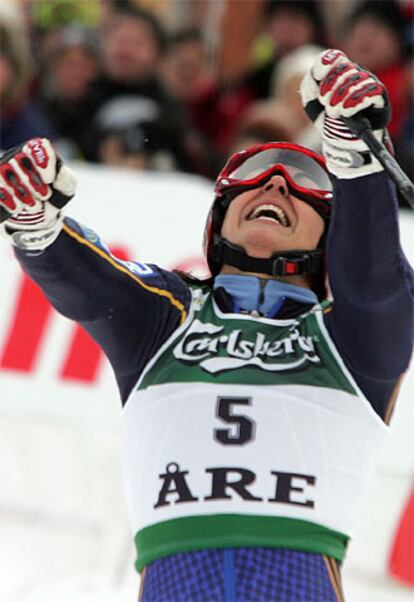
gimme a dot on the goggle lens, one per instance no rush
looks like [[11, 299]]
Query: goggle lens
[[304, 171]]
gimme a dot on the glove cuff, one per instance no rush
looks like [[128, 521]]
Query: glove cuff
[[349, 163], [346, 155], [34, 239]]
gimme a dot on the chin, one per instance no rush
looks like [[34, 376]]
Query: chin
[[262, 251], [262, 245]]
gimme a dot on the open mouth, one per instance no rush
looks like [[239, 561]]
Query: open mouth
[[271, 213]]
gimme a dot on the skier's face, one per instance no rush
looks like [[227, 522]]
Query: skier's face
[[268, 219]]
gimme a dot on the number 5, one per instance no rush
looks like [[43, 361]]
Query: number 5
[[245, 427]]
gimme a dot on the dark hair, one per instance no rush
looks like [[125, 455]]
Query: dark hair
[[308, 8], [145, 16], [386, 11]]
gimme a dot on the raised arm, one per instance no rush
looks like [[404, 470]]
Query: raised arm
[[129, 309], [372, 283]]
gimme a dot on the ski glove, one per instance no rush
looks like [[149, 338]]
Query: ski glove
[[336, 88], [34, 186]]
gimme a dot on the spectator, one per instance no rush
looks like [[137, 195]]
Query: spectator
[[132, 45], [71, 66], [185, 71], [21, 117], [373, 36]]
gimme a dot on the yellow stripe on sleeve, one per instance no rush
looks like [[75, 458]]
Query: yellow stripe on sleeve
[[152, 289]]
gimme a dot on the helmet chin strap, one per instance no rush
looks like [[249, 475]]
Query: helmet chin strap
[[286, 263]]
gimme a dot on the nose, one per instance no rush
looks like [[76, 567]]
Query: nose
[[277, 181]]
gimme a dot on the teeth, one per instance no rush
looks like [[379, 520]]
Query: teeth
[[271, 212]]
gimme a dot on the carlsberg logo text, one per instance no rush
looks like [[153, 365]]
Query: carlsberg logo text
[[216, 351]]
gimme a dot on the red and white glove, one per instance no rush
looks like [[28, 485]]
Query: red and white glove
[[336, 88], [34, 186]]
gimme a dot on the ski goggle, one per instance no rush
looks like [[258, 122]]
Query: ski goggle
[[304, 171]]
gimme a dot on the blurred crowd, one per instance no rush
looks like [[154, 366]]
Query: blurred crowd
[[114, 82]]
